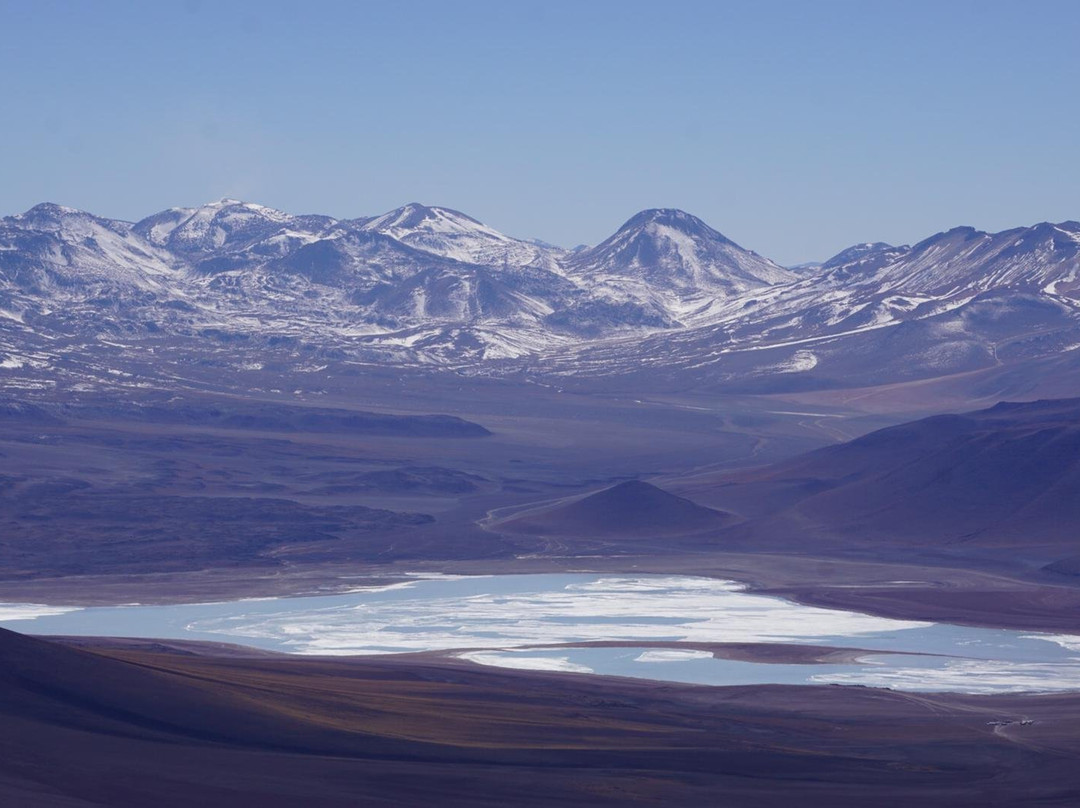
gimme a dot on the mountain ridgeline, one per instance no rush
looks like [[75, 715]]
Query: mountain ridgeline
[[431, 286]]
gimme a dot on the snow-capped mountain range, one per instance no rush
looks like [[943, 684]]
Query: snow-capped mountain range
[[430, 285]]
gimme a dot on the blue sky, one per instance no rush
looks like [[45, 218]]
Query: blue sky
[[795, 128]]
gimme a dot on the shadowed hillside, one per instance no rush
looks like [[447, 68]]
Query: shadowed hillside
[[1001, 483]]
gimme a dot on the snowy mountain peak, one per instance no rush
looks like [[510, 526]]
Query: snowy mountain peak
[[415, 216], [211, 227], [424, 283], [962, 262], [677, 256], [50, 209], [861, 253], [57, 257], [450, 234], [672, 218], [50, 216], [954, 235]]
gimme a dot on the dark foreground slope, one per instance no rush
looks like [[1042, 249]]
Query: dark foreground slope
[[131, 728]]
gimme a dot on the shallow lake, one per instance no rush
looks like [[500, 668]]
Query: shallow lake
[[490, 620]]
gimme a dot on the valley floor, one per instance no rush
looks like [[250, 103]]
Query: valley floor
[[175, 725]]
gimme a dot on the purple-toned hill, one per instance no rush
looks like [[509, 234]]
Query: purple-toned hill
[[1002, 484], [632, 509]]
